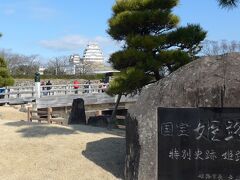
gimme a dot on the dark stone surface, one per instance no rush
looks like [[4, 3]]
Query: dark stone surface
[[77, 115], [206, 82], [132, 149], [121, 112], [198, 143], [100, 121], [104, 121]]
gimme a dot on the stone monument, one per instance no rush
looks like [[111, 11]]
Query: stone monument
[[205, 82], [77, 115]]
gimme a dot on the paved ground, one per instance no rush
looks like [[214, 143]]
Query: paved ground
[[32, 151]]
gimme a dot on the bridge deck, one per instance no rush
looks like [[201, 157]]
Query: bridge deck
[[89, 99]]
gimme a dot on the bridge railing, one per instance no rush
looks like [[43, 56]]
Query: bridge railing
[[52, 90], [17, 91]]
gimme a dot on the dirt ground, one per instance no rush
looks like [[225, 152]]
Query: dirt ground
[[34, 151], [12, 113]]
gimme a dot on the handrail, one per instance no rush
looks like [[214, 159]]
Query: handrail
[[26, 91], [17, 87]]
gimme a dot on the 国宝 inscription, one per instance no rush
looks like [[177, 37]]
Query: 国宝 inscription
[[198, 143]]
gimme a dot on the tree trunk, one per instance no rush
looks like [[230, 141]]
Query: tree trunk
[[157, 75], [114, 113]]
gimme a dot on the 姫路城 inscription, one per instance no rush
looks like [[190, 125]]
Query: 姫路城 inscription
[[198, 143]]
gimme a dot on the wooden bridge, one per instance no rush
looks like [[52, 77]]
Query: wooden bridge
[[62, 96], [24, 94], [28, 93]]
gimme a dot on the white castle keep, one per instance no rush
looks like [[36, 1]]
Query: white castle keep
[[91, 62], [93, 53]]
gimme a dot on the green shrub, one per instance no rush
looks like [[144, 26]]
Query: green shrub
[[5, 77]]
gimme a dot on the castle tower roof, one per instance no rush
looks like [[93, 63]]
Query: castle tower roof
[[93, 53]]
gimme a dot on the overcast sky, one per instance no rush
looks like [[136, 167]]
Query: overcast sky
[[58, 27]]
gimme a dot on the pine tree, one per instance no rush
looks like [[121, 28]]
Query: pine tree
[[5, 77], [228, 3], [153, 43]]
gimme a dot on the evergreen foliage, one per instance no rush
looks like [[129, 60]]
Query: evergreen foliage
[[5, 77], [228, 3], [153, 42]]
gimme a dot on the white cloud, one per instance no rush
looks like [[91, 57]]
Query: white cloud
[[76, 42], [66, 43]]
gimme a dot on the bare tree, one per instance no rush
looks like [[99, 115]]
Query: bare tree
[[56, 65], [213, 48], [19, 64], [86, 68]]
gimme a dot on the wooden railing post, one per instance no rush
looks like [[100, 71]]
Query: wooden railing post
[[29, 115], [8, 91], [18, 92], [66, 87], [49, 114], [33, 91]]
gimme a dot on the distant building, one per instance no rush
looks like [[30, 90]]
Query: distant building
[[75, 59], [91, 63], [74, 62], [70, 69], [41, 70], [93, 54]]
